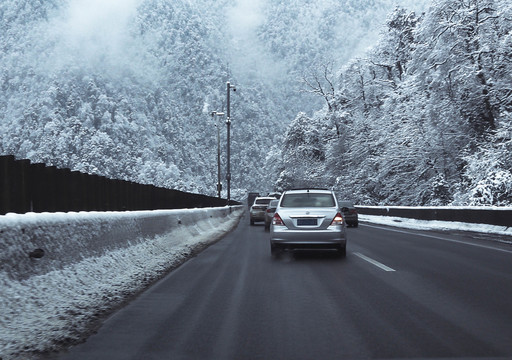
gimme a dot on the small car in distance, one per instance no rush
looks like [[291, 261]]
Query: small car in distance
[[349, 213], [257, 210], [275, 195], [269, 213], [308, 218]]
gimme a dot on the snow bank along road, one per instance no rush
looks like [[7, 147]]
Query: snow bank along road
[[92, 263], [399, 293]]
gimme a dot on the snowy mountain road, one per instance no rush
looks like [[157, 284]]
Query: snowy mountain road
[[397, 294]]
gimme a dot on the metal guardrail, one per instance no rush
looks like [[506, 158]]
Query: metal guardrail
[[477, 215], [27, 187]]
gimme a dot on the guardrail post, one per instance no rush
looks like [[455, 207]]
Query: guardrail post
[[97, 192], [90, 192], [76, 191], [6, 169], [20, 187], [129, 196], [37, 188], [50, 185], [113, 191], [125, 196], [137, 190], [63, 190], [146, 197], [107, 194]]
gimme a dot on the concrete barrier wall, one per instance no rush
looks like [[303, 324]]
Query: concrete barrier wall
[[67, 238], [477, 215]]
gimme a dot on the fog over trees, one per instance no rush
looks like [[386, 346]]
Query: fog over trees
[[389, 105]]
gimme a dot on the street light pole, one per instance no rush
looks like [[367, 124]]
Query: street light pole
[[219, 184], [228, 123]]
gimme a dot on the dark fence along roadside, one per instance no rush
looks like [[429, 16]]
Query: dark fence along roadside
[[27, 187], [482, 215]]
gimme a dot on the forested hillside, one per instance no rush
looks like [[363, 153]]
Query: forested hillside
[[422, 118], [124, 89], [125, 92]]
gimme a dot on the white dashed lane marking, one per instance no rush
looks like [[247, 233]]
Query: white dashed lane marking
[[374, 262]]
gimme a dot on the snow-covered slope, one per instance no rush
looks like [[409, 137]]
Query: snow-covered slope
[[92, 263]]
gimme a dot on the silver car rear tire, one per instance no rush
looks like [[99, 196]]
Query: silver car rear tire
[[275, 251], [342, 250]]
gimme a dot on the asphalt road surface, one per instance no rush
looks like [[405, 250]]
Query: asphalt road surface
[[397, 294]]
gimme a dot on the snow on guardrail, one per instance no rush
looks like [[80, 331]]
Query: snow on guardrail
[[60, 271], [498, 216]]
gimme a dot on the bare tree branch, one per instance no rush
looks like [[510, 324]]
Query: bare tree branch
[[319, 82]]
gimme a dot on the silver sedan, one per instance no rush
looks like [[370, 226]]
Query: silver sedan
[[308, 218]]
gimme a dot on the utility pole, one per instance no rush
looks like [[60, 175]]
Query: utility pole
[[219, 184], [228, 123]]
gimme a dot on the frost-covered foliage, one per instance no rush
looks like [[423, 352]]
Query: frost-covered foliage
[[124, 89], [303, 156], [304, 33], [495, 189], [487, 176], [425, 116]]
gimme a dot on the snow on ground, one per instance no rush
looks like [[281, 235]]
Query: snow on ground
[[436, 225], [44, 311]]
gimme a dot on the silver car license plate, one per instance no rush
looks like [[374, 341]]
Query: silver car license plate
[[307, 222]]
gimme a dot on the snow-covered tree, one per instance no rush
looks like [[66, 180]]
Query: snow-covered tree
[[303, 155]]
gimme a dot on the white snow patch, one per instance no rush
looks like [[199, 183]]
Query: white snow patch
[[40, 312], [435, 224]]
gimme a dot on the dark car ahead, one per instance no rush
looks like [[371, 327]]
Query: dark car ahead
[[349, 213]]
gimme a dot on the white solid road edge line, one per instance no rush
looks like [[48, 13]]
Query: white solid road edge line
[[439, 237], [374, 262]]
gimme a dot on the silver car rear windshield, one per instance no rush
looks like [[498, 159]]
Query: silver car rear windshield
[[308, 200]]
